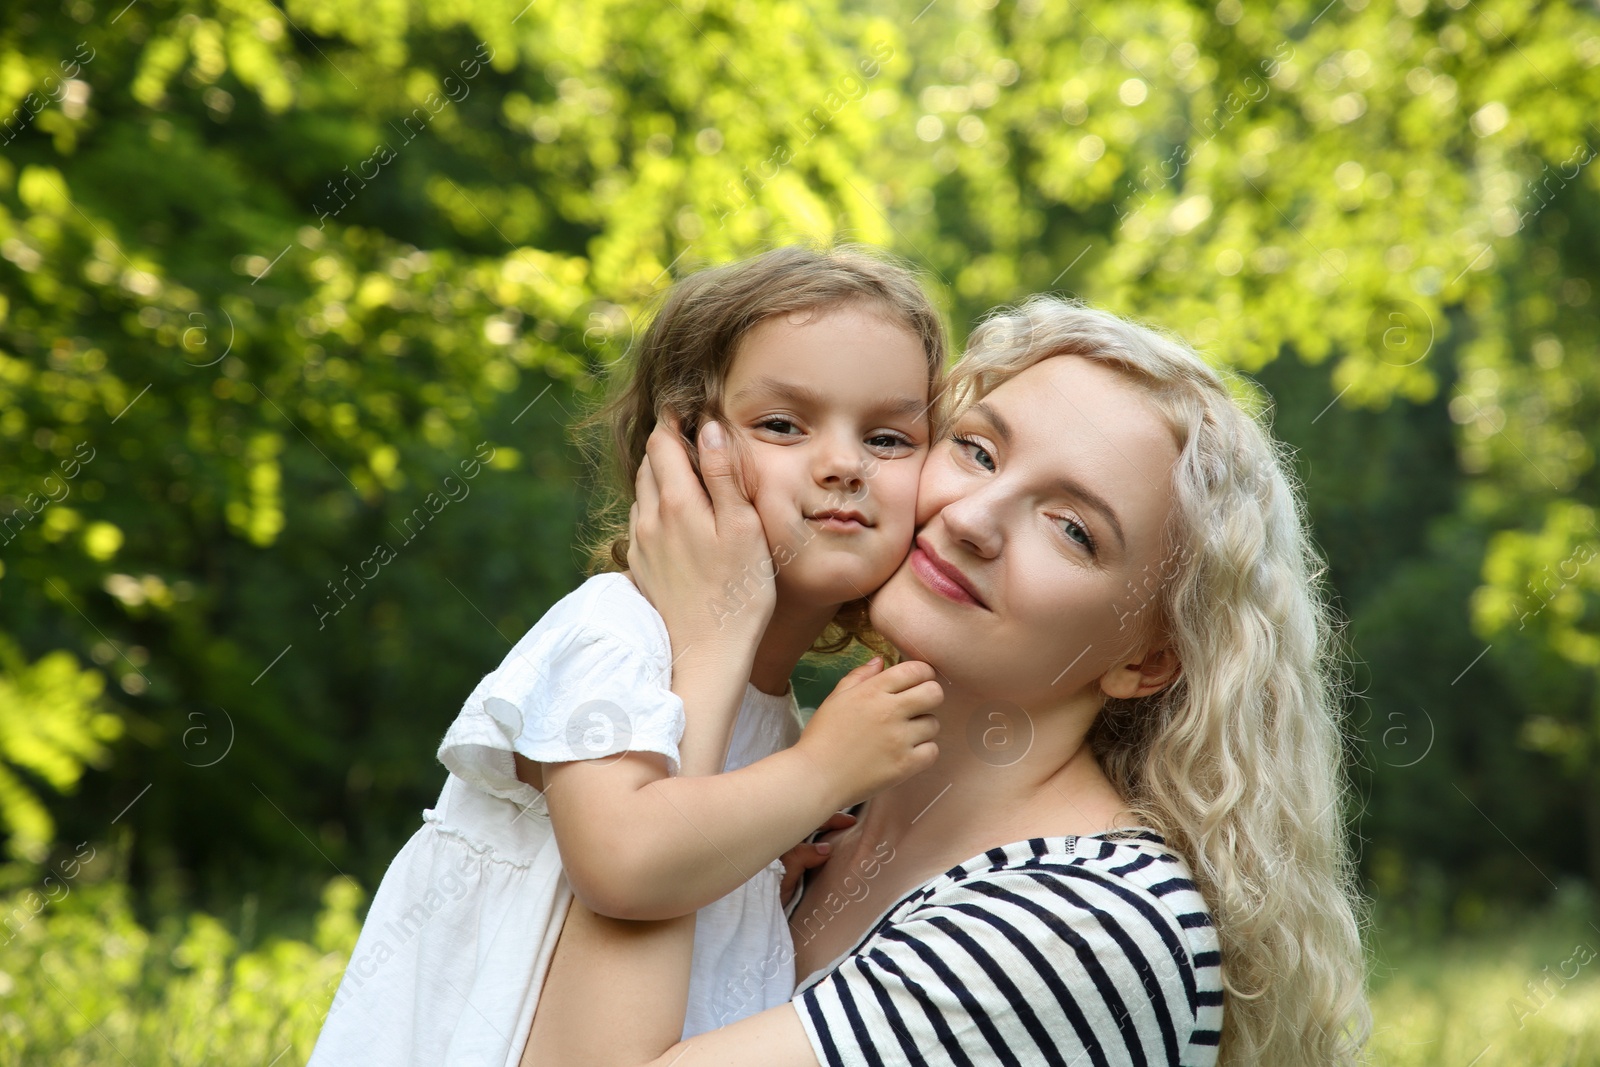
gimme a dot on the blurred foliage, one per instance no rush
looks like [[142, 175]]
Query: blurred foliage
[[298, 303], [84, 982], [60, 734]]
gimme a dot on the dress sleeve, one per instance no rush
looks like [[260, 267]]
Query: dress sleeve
[[1050, 966], [579, 694], [594, 695]]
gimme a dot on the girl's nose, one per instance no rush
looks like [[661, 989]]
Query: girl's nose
[[839, 467]]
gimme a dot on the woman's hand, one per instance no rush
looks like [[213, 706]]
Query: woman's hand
[[701, 560]]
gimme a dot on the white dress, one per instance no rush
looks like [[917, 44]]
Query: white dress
[[457, 942]]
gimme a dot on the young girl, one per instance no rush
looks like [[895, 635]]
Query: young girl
[[1157, 873], [571, 771]]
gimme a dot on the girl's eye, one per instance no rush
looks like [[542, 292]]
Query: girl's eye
[[975, 450], [888, 441], [780, 426], [1076, 532]]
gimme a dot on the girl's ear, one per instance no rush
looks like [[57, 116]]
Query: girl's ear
[[1156, 670]]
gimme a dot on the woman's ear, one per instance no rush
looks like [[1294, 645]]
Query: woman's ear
[[1151, 673]]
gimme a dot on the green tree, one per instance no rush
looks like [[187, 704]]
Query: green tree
[[297, 303], [63, 734]]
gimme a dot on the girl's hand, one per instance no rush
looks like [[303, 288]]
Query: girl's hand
[[875, 730], [806, 855], [701, 560]]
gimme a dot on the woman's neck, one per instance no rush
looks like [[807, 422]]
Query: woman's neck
[[790, 635], [987, 788]]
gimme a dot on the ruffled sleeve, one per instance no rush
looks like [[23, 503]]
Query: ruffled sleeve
[[576, 694]]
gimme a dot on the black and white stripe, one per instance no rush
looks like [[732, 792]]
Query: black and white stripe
[[1092, 951]]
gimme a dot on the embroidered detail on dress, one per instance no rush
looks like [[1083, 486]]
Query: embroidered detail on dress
[[488, 852]]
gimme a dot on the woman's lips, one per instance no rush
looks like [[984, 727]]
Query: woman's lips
[[936, 578]]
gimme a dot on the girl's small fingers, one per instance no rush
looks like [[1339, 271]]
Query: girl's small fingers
[[921, 699], [791, 880], [908, 674], [839, 820], [812, 855], [860, 674]]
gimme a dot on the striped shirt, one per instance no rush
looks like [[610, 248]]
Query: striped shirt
[[1093, 950]]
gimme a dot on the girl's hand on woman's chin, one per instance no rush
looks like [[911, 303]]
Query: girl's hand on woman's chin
[[702, 561]]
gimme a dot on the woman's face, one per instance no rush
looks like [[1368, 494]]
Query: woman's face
[[1039, 537]]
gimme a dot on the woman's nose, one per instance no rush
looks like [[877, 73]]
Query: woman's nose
[[974, 521]]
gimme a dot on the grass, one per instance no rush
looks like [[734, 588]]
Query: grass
[[82, 983], [1525, 992]]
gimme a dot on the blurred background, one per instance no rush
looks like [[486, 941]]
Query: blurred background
[[298, 303]]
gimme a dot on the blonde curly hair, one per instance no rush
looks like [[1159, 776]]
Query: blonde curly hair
[[1238, 763]]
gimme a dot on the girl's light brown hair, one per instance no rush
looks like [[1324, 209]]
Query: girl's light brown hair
[[680, 363]]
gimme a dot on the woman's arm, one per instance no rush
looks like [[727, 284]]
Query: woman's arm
[[616, 995], [1046, 961]]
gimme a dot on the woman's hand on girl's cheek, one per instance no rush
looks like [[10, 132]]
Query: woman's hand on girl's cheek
[[702, 560]]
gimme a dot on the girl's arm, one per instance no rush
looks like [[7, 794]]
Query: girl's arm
[[700, 557], [638, 844]]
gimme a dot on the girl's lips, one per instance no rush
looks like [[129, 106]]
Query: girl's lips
[[839, 522], [838, 525], [937, 580]]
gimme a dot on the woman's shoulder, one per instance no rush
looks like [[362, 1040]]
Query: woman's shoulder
[[1130, 872], [1135, 860], [1101, 936], [1127, 882]]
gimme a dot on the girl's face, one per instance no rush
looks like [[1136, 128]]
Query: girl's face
[[1039, 537], [831, 408]]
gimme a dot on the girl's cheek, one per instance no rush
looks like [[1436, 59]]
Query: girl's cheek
[[936, 488], [906, 493]]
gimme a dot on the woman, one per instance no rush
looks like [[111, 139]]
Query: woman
[[1130, 847]]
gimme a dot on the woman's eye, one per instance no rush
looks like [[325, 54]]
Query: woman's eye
[[1076, 532], [975, 450]]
